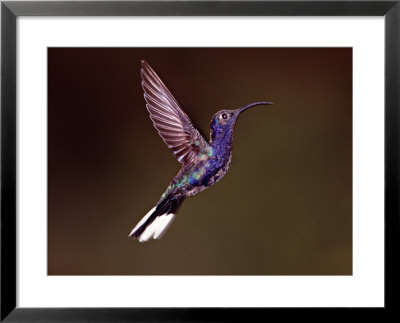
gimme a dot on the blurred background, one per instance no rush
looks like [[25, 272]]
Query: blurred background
[[285, 205]]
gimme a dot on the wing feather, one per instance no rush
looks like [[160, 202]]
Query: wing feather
[[171, 122]]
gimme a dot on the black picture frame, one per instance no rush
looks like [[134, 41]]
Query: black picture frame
[[10, 10]]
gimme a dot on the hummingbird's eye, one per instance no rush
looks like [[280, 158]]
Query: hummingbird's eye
[[224, 116]]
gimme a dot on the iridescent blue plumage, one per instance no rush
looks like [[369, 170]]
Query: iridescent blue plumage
[[203, 163]]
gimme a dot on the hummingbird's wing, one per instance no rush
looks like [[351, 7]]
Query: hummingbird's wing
[[171, 122]]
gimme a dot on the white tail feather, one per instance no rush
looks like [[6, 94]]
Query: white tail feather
[[143, 220], [157, 229], [162, 228]]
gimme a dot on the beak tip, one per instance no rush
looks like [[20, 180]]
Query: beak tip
[[254, 104]]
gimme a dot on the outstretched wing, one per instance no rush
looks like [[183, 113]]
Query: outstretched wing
[[173, 125]]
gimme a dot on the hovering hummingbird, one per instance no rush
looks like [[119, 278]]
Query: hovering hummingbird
[[203, 163]]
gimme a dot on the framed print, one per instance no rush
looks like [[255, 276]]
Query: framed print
[[99, 221]]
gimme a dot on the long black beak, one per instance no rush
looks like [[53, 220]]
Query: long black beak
[[252, 105]]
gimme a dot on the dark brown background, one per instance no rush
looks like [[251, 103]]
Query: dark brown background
[[285, 206]]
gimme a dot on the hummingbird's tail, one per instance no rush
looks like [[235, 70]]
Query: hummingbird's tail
[[156, 222]]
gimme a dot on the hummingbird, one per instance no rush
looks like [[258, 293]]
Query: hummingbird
[[203, 162]]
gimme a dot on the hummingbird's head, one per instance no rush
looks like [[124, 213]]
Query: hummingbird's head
[[223, 121]]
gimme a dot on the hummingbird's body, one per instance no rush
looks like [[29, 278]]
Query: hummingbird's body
[[210, 165], [203, 163]]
